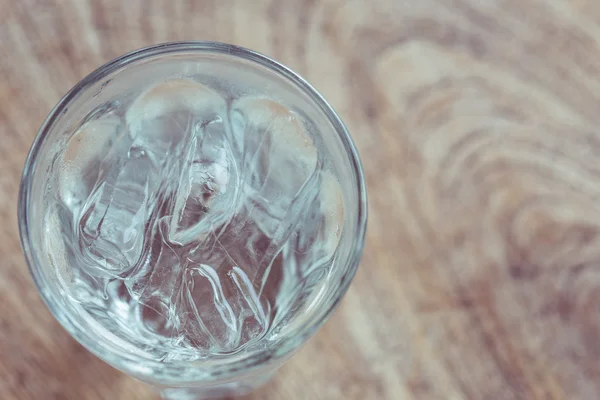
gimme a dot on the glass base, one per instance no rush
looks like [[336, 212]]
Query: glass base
[[215, 392]]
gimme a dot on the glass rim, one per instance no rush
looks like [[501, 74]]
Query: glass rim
[[230, 367]]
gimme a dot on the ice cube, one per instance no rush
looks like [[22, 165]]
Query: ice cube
[[206, 193], [222, 305], [81, 159], [214, 316], [310, 250], [254, 310], [224, 311], [332, 211], [279, 157], [57, 249], [163, 119], [280, 178], [112, 220], [156, 281]]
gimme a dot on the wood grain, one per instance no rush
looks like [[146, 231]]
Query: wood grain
[[477, 125]]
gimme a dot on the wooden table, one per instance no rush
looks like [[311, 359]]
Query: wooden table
[[477, 122]]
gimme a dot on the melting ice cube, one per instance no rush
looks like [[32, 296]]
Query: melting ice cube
[[223, 307], [279, 159], [112, 221], [85, 150], [205, 197], [163, 119]]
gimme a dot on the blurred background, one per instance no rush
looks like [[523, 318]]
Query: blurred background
[[477, 124]]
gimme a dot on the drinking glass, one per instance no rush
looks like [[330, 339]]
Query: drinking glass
[[234, 72]]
